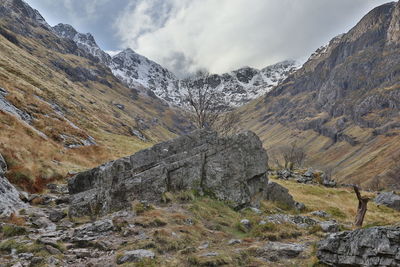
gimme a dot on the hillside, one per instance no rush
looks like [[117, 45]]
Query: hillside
[[343, 105], [62, 111]]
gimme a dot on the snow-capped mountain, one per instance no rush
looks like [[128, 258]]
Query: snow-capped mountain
[[242, 85], [85, 42], [138, 72]]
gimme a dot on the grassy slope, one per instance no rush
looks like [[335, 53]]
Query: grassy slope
[[32, 84], [360, 163]]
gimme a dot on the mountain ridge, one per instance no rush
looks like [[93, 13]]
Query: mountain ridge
[[136, 71], [343, 104]]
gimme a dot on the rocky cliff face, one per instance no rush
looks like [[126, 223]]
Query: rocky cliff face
[[343, 78], [376, 246], [86, 42], [347, 92], [232, 169], [137, 71]]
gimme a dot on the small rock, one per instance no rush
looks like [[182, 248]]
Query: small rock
[[204, 245], [94, 229], [300, 206], [284, 174], [329, 226], [52, 261], [234, 241], [62, 200], [273, 251], [48, 241], [255, 210], [246, 223], [36, 261], [43, 223], [52, 250], [210, 254], [25, 256], [309, 173], [56, 216], [320, 213], [135, 256]]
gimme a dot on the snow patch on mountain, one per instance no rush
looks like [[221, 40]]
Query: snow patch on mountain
[[134, 69], [85, 42], [140, 73]]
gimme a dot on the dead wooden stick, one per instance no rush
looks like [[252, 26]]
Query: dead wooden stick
[[362, 207]]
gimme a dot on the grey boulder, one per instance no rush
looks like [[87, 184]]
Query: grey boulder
[[376, 246], [136, 256], [389, 199], [10, 200], [276, 192], [273, 251], [231, 169]]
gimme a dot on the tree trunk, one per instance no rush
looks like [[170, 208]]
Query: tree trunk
[[362, 208]]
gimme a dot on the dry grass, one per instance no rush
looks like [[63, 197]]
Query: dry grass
[[34, 84], [341, 203]]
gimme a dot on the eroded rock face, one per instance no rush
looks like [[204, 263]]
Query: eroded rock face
[[231, 169], [376, 246], [9, 195]]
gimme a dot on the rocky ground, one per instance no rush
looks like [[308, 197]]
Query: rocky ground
[[188, 231], [185, 230], [173, 205]]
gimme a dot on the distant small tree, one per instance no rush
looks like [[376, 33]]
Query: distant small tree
[[293, 155]]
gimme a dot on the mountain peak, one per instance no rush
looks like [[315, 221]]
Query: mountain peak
[[85, 41], [22, 10], [65, 30]]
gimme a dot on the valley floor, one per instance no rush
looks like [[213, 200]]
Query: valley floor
[[186, 230]]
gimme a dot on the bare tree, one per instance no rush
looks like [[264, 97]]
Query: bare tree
[[362, 207], [207, 107], [227, 123], [293, 156]]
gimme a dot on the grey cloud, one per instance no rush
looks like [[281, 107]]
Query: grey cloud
[[218, 35]]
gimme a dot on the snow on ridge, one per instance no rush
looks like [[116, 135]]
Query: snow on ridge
[[138, 72]]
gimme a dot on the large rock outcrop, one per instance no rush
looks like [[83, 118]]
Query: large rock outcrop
[[9, 196], [376, 246], [231, 169], [389, 199]]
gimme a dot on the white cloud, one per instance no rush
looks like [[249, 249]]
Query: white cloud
[[221, 35]]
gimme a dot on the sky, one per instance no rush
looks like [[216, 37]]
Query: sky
[[213, 35]]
